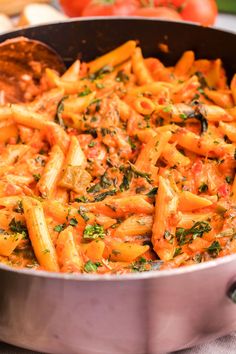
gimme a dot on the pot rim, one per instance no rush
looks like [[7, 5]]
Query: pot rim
[[123, 18], [153, 274]]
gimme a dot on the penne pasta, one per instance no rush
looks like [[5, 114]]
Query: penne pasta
[[135, 225], [113, 58], [163, 231], [48, 181], [39, 235], [68, 255], [184, 64], [8, 243], [141, 72], [153, 150]]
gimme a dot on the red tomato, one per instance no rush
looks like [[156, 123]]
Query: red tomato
[[110, 8], [160, 12], [175, 3], [74, 8], [200, 11]]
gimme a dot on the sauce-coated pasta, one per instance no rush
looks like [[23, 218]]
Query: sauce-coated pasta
[[121, 165]]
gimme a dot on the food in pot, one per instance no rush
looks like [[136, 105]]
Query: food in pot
[[121, 165]]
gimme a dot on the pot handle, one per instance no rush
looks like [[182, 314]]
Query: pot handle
[[232, 293]]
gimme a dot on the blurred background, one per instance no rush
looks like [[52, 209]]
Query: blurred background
[[20, 13]]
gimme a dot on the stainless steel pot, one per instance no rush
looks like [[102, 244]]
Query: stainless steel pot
[[147, 313]]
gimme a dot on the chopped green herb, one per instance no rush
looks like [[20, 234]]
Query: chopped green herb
[[196, 97], [140, 173], [59, 227], [152, 192], [40, 160], [144, 265], [93, 232], [178, 250], [197, 258], [18, 227], [42, 152], [99, 85], [90, 266], [202, 81], [102, 196], [203, 188], [37, 177], [167, 109], [132, 144], [229, 179], [81, 199], [82, 212], [127, 177], [105, 181], [147, 120], [106, 131], [92, 131], [86, 92], [129, 173], [46, 251], [19, 207], [95, 188], [214, 249], [140, 265], [167, 235], [197, 230], [100, 73], [122, 76], [73, 222], [183, 116], [92, 144]]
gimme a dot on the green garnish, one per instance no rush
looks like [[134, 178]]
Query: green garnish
[[86, 92], [59, 227], [152, 192], [81, 212], [167, 109], [183, 116], [214, 249], [197, 230], [73, 222], [91, 267], [203, 188], [19, 207], [18, 227], [177, 251], [81, 199], [92, 144], [229, 179], [93, 232], [102, 196], [122, 76], [37, 177]]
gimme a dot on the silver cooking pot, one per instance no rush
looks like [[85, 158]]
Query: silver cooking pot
[[143, 313]]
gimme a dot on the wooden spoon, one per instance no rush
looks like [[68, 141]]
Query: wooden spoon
[[22, 65]]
